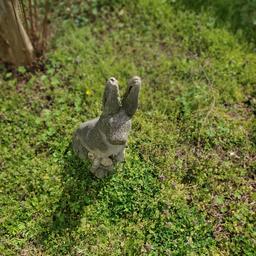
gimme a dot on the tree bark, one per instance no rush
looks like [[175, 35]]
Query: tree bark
[[15, 45]]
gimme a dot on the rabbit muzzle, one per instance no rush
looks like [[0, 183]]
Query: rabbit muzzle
[[116, 128]]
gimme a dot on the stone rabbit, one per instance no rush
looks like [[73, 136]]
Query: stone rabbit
[[104, 138]]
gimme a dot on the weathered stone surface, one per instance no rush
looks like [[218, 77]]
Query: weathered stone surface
[[103, 139]]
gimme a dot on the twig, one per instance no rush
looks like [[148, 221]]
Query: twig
[[31, 19], [36, 15], [25, 15], [45, 25]]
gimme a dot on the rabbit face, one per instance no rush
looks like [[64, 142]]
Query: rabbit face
[[115, 127]]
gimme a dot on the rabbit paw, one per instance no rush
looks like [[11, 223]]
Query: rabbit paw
[[119, 157], [102, 167], [106, 162], [102, 172]]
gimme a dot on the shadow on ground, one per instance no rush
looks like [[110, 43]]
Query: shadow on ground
[[80, 188]]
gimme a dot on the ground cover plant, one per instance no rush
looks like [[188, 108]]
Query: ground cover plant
[[188, 184]]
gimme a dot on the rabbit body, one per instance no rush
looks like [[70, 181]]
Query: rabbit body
[[103, 139]]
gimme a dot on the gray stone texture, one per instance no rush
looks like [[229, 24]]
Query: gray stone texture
[[103, 139]]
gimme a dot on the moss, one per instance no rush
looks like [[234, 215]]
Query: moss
[[186, 187]]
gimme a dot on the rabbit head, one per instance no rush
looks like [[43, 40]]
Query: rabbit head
[[115, 121]]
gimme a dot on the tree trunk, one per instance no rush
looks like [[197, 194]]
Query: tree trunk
[[15, 45]]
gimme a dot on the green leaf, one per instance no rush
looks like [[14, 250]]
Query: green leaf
[[219, 200], [8, 75], [21, 70], [55, 81]]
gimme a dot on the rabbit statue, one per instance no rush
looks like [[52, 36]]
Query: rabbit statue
[[104, 138]]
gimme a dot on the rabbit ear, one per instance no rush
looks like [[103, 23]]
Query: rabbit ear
[[111, 101], [130, 99]]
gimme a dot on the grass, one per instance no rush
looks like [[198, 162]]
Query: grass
[[188, 184]]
